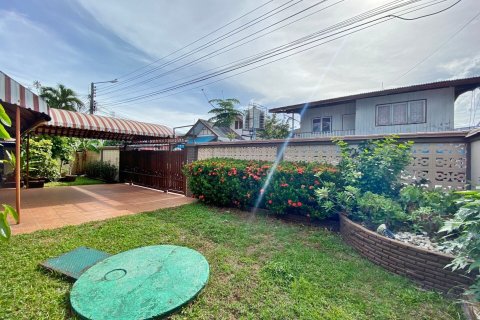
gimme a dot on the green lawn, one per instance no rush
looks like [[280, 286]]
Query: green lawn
[[260, 268], [80, 181]]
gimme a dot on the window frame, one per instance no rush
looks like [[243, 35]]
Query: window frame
[[321, 124], [390, 105]]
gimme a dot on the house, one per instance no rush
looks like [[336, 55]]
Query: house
[[205, 131], [418, 108]]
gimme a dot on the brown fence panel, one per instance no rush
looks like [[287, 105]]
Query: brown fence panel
[[154, 169]]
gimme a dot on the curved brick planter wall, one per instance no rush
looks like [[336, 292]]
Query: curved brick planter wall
[[422, 266]]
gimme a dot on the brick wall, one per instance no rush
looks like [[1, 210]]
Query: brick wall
[[422, 266]]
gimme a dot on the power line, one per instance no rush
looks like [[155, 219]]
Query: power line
[[453, 35], [272, 53], [198, 40], [223, 50], [201, 58], [229, 34]]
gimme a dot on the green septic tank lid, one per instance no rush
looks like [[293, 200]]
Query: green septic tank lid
[[143, 283]]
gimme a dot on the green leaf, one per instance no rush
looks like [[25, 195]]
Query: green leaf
[[9, 210], [4, 118], [3, 133], [5, 231]]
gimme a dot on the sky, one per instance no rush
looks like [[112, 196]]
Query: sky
[[82, 41]]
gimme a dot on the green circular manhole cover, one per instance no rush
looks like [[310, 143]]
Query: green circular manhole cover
[[143, 283]]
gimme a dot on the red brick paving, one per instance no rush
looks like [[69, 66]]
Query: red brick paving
[[56, 207]]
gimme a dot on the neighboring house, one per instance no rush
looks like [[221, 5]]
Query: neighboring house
[[205, 131], [418, 108]]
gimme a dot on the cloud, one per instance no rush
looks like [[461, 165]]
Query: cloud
[[117, 36]]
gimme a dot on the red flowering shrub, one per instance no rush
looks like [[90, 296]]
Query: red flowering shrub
[[239, 183]]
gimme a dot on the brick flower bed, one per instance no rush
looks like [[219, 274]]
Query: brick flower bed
[[425, 267]]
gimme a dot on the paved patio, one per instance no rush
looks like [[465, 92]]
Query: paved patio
[[56, 207]]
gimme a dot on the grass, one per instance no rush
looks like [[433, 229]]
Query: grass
[[260, 268], [80, 181]]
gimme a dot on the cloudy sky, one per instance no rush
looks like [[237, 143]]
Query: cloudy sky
[[77, 42]]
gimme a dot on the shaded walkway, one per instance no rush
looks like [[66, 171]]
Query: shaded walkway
[[49, 208]]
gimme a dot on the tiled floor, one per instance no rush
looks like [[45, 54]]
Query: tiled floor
[[50, 208]]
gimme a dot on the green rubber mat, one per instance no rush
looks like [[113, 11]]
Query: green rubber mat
[[74, 263]]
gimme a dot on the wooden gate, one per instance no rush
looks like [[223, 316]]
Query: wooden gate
[[154, 169]]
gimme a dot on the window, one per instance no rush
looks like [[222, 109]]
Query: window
[[238, 124], [323, 124], [383, 115], [399, 111], [417, 111], [409, 112]]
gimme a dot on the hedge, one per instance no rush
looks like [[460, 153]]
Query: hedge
[[101, 170], [239, 183]]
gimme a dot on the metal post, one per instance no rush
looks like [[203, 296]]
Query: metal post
[[17, 161], [27, 182], [92, 98]]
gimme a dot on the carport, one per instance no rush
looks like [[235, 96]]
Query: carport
[[31, 115]]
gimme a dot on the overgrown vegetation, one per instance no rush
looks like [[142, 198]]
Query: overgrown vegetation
[[241, 183], [259, 269], [5, 231], [274, 128], [101, 170], [464, 237]]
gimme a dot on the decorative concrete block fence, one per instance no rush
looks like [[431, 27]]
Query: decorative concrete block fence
[[427, 268]]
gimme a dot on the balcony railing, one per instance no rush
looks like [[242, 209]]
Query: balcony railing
[[334, 133]]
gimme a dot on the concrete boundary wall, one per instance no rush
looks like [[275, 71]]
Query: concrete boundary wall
[[444, 158]]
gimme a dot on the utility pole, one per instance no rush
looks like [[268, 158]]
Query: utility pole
[[92, 94], [92, 98]]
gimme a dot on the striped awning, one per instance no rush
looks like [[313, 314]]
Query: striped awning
[[76, 124], [13, 92]]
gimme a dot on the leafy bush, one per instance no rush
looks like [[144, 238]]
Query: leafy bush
[[42, 163], [101, 170], [465, 227], [426, 219], [413, 197], [239, 183], [375, 166], [427, 209], [375, 209]]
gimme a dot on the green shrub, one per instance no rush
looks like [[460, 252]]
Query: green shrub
[[440, 201], [239, 183], [101, 170], [375, 209], [465, 229], [375, 166], [43, 164], [426, 219]]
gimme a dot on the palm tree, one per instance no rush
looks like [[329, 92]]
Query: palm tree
[[61, 97], [224, 111]]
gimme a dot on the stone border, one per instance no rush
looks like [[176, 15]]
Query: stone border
[[427, 268]]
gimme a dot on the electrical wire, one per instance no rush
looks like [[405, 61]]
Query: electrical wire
[[198, 40], [430, 3], [453, 35], [223, 50], [249, 24], [272, 53]]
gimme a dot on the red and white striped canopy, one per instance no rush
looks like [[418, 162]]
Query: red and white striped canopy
[[13, 92], [76, 124]]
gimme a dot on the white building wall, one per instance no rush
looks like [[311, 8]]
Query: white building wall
[[336, 112], [475, 163], [439, 117]]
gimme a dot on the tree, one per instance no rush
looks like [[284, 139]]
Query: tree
[[274, 128], [5, 231], [61, 97], [224, 111]]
